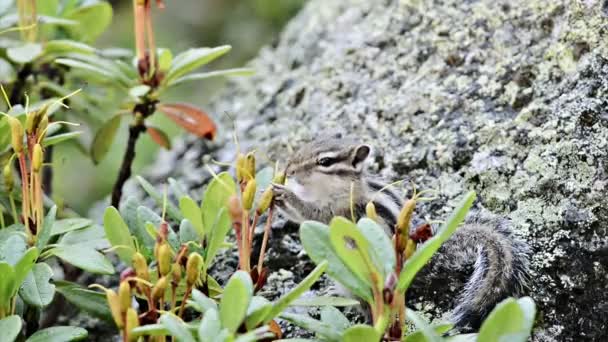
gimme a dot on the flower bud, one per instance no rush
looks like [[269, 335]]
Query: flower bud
[[164, 259], [16, 134], [249, 194], [176, 271], [158, 291], [240, 167], [250, 165], [279, 178], [193, 268], [42, 126], [7, 174], [33, 119], [124, 295], [265, 201], [114, 304], [405, 216], [132, 322], [370, 211], [234, 209], [410, 248], [141, 266], [37, 158]]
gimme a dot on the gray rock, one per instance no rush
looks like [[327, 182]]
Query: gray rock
[[508, 98]]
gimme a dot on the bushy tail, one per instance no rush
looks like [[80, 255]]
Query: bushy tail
[[500, 269]]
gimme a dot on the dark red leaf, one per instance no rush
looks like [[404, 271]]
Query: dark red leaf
[[159, 137], [190, 118]]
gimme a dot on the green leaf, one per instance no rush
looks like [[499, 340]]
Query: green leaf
[[324, 330], [205, 75], [7, 72], [12, 248], [91, 302], [426, 330], [91, 237], [201, 303], [83, 257], [235, 300], [192, 212], [24, 266], [10, 327], [216, 197], [176, 327], [118, 234], [47, 228], [283, 302], [382, 250], [139, 90], [352, 247], [361, 333], [146, 215], [25, 53], [36, 289], [104, 138], [187, 232], [58, 138], [192, 59], [7, 284], [93, 20], [316, 242], [68, 225], [65, 46], [128, 211], [263, 178], [59, 334], [324, 301], [210, 326], [47, 7], [258, 310], [151, 330], [334, 318], [418, 336], [425, 253], [218, 235], [165, 58], [172, 210], [511, 320], [92, 69], [461, 338]]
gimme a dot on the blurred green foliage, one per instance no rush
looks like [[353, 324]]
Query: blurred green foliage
[[246, 25]]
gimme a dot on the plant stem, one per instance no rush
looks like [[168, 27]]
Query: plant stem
[[127, 162], [13, 208], [245, 261], [183, 305], [265, 239]]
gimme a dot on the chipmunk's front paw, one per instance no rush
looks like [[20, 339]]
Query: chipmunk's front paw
[[287, 201]]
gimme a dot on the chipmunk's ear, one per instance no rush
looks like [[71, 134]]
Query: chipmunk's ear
[[360, 153]]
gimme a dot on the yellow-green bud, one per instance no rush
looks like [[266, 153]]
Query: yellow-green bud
[[141, 266], [124, 294], [164, 259], [279, 178], [114, 304], [16, 134], [410, 248], [240, 167], [33, 119], [405, 216], [9, 181], [37, 158], [42, 126], [158, 291], [193, 268], [370, 211], [250, 165], [265, 201], [132, 323], [249, 194], [176, 270]]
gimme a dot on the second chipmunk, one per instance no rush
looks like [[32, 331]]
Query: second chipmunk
[[325, 174]]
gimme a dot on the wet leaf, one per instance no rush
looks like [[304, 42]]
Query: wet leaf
[[159, 137], [191, 118], [104, 138]]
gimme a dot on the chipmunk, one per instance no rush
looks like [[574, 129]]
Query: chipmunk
[[325, 174]]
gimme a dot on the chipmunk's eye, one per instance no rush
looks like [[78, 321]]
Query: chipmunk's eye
[[325, 162]]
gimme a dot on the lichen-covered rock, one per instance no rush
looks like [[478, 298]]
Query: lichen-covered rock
[[506, 97]]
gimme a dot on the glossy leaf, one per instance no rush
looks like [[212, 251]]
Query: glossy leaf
[[37, 290], [24, 266], [187, 232], [104, 138], [511, 320], [361, 333], [151, 330], [210, 74], [118, 234], [201, 303], [235, 300], [165, 58], [176, 327], [128, 211], [139, 91], [259, 308], [159, 137], [91, 302], [316, 242], [91, 237], [381, 248], [68, 225], [25, 53], [12, 248], [93, 20], [283, 302], [57, 334], [65, 46], [59, 138], [10, 327], [192, 212], [7, 284], [425, 253], [210, 326], [191, 118], [98, 71], [192, 59], [352, 247], [83, 257], [7, 72]]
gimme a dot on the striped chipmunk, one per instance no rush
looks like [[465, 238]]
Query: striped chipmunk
[[321, 176]]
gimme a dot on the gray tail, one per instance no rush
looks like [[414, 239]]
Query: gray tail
[[500, 266]]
